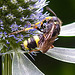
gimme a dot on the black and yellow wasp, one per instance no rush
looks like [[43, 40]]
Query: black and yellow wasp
[[43, 41]]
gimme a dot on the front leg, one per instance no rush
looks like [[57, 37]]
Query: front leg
[[34, 50], [51, 46]]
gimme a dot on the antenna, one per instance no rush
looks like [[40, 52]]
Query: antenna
[[51, 10]]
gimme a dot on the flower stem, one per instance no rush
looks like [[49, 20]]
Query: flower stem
[[6, 65]]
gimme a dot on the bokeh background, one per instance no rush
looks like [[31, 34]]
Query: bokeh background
[[65, 10]]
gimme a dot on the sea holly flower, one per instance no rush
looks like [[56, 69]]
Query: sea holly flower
[[14, 1], [16, 15], [4, 7], [10, 16], [14, 27]]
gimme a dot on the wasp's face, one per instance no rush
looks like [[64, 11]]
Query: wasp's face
[[53, 21], [57, 22]]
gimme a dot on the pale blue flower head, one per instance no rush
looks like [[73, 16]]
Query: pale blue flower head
[[16, 15]]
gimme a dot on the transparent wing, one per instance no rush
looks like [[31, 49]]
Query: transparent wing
[[21, 65], [63, 54], [68, 30]]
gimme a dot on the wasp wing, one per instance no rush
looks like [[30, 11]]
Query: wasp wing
[[68, 30], [63, 54], [49, 34], [21, 65]]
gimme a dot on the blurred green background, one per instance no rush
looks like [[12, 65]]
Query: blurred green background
[[65, 10]]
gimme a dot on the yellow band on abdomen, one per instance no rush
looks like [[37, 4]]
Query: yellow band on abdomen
[[25, 44], [36, 38]]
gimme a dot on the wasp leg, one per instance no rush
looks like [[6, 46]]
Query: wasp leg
[[33, 26], [51, 46], [38, 28], [41, 22], [26, 29], [34, 50]]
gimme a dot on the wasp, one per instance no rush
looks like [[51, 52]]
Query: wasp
[[43, 41]]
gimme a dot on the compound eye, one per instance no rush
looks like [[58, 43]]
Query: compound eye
[[56, 21]]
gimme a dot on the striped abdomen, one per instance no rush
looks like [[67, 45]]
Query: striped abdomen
[[31, 42]]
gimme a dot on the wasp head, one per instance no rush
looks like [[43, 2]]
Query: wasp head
[[57, 23], [53, 21]]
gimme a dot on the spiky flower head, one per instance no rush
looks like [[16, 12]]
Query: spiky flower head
[[16, 15]]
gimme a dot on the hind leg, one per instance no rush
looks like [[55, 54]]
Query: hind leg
[[34, 50]]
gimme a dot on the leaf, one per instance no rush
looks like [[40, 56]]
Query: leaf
[[21, 65], [63, 54], [68, 30]]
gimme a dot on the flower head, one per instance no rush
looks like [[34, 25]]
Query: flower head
[[16, 15]]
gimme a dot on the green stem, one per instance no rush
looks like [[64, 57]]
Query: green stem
[[6, 65]]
